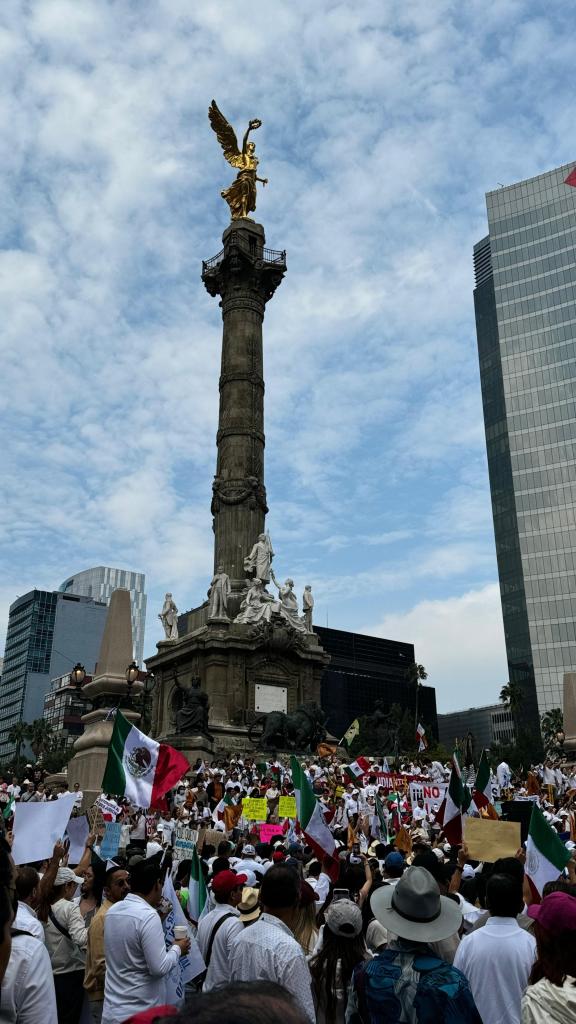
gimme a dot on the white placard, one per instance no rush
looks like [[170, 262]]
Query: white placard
[[432, 793], [77, 831], [270, 698], [37, 827]]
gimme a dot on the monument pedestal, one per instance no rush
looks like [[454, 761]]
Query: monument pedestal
[[246, 671]]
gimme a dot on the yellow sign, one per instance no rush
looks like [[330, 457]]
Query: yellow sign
[[255, 808], [287, 807], [488, 840]]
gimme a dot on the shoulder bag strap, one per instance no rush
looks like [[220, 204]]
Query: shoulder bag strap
[[64, 931], [219, 923]]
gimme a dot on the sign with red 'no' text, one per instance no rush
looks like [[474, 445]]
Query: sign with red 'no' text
[[432, 793]]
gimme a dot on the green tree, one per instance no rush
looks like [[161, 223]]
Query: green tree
[[512, 694], [551, 723], [39, 732], [56, 756], [18, 735]]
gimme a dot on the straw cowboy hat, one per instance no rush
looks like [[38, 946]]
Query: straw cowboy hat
[[414, 908], [249, 907]]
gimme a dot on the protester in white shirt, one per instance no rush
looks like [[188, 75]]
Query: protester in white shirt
[[27, 881], [137, 961], [219, 929], [320, 882], [248, 863], [267, 950], [78, 796], [65, 935], [14, 789], [497, 958], [27, 992]]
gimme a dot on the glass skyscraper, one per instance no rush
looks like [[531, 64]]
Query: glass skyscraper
[[99, 583], [525, 301]]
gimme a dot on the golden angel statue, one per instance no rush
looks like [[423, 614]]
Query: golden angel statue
[[241, 195]]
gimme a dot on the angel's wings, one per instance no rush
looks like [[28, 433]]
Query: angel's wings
[[225, 135]]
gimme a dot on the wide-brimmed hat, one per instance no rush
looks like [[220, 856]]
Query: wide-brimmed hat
[[414, 908], [249, 907]]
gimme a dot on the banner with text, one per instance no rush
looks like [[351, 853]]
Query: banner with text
[[255, 808], [432, 793]]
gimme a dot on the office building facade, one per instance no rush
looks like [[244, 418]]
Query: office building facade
[[48, 632], [364, 669], [490, 724], [99, 584], [525, 303], [63, 710]]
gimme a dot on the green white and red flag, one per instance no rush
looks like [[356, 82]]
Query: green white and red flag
[[138, 767], [197, 894], [450, 813], [357, 768], [482, 793], [311, 819], [421, 738], [546, 855]]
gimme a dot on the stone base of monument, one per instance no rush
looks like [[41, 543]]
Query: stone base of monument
[[193, 747], [246, 671], [570, 713]]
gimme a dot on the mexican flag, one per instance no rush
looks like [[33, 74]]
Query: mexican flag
[[8, 809], [546, 855], [482, 793], [358, 768], [456, 796], [351, 732], [196, 888], [421, 738], [311, 818], [381, 818], [138, 767]]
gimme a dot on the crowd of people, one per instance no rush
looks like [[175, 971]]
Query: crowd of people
[[395, 925]]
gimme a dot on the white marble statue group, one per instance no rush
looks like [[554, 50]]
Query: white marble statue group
[[257, 605]]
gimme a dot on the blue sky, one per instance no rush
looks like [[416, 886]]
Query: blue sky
[[384, 124]]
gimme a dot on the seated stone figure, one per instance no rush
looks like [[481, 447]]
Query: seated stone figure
[[258, 604], [193, 715]]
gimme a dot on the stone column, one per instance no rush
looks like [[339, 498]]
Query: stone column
[[245, 275]]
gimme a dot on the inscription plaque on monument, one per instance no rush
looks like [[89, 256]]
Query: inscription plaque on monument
[[270, 698]]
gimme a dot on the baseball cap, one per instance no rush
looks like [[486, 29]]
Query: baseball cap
[[225, 881], [249, 850], [344, 918], [394, 860], [556, 913], [278, 856], [65, 875]]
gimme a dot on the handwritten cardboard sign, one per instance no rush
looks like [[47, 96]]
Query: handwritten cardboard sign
[[287, 807], [267, 832], [255, 808]]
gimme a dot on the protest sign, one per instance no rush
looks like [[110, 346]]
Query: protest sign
[[255, 809], [287, 807], [184, 843], [189, 965], [487, 839], [267, 832], [77, 831], [432, 793], [110, 809], [111, 841], [38, 826]]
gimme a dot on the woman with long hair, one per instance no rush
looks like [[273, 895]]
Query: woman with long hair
[[551, 994], [65, 934], [331, 967], [91, 892], [305, 929]]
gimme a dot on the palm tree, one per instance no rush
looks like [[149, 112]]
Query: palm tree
[[39, 733], [414, 674], [551, 723], [18, 735], [512, 694]]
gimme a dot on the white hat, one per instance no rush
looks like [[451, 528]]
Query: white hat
[[65, 875], [152, 848]]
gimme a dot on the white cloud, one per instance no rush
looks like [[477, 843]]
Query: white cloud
[[383, 125], [460, 640]]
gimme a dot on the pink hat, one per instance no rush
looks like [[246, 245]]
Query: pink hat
[[556, 913]]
